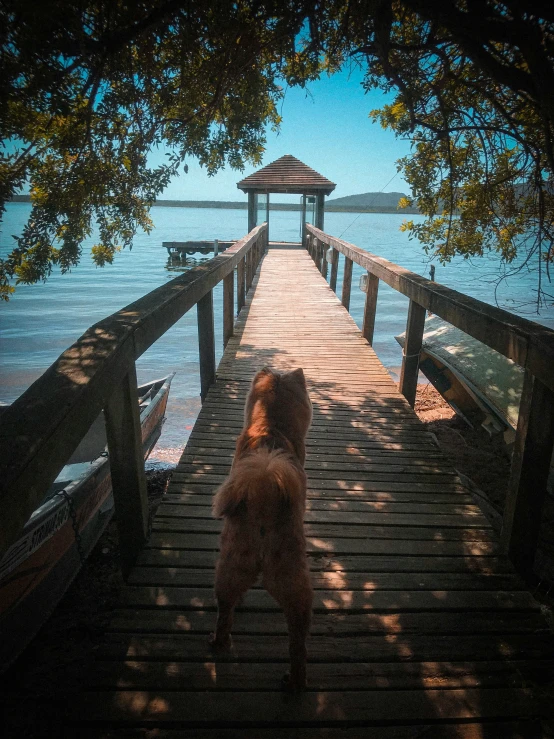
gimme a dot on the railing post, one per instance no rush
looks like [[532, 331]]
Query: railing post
[[317, 253], [529, 474], [412, 347], [347, 282], [127, 468], [368, 325], [248, 270], [324, 265], [206, 342], [334, 270], [240, 284], [228, 304]]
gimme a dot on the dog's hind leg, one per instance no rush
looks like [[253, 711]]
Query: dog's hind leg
[[233, 578], [295, 598]]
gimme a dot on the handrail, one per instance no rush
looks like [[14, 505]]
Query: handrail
[[41, 429], [527, 343]]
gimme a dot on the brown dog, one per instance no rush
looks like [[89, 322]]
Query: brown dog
[[263, 502]]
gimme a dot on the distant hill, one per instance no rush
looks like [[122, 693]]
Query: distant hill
[[369, 200]]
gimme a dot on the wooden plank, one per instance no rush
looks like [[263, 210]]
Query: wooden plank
[[127, 468], [185, 676], [267, 708], [344, 600], [451, 730], [249, 648], [336, 579], [478, 563]]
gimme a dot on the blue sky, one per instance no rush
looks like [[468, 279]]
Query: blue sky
[[328, 128]]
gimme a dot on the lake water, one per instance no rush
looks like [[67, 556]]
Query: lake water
[[42, 320]]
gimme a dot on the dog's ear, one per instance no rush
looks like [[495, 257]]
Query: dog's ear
[[263, 379], [298, 375]]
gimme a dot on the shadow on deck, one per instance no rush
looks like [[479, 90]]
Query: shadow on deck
[[420, 628]]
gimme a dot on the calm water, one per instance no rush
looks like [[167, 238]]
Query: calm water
[[43, 320]]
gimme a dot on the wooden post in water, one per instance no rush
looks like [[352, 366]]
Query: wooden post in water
[[228, 305], [529, 474], [334, 270], [412, 347], [347, 282], [240, 284], [206, 342], [368, 325], [127, 468]]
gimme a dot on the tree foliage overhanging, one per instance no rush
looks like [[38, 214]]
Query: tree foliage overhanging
[[89, 87]]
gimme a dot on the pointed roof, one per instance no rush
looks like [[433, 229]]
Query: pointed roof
[[287, 174]]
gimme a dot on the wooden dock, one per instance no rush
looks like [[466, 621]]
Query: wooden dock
[[420, 628]]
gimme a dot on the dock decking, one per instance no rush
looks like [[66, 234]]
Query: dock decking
[[420, 627]]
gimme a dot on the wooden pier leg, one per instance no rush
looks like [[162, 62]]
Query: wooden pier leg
[[334, 270], [347, 283], [127, 469], [241, 269], [228, 305], [368, 325], [206, 342], [529, 474], [412, 348], [324, 263]]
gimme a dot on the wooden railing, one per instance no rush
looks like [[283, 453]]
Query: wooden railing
[[42, 428], [528, 344]]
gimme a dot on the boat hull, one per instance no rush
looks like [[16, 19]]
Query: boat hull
[[40, 566]]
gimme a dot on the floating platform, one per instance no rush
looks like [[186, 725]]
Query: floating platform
[[180, 249]]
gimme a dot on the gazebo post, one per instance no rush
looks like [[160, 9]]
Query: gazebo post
[[304, 220], [319, 211], [252, 202]]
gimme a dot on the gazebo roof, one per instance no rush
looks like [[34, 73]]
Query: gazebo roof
[[287, 174]]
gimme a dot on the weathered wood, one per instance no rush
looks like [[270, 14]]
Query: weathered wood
[[347, 282], [525, 342], [317, 254], [324, 262], [370, 307], [206, 343], [334, 270], [127, 468], [529, 474], [412, 347], [41, 429], [241, 291], [415, 610], [261, 709], [228, 307]]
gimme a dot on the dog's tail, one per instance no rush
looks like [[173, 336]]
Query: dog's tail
[[262, 481]]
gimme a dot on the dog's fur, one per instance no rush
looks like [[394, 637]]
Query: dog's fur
[[263, 502]]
